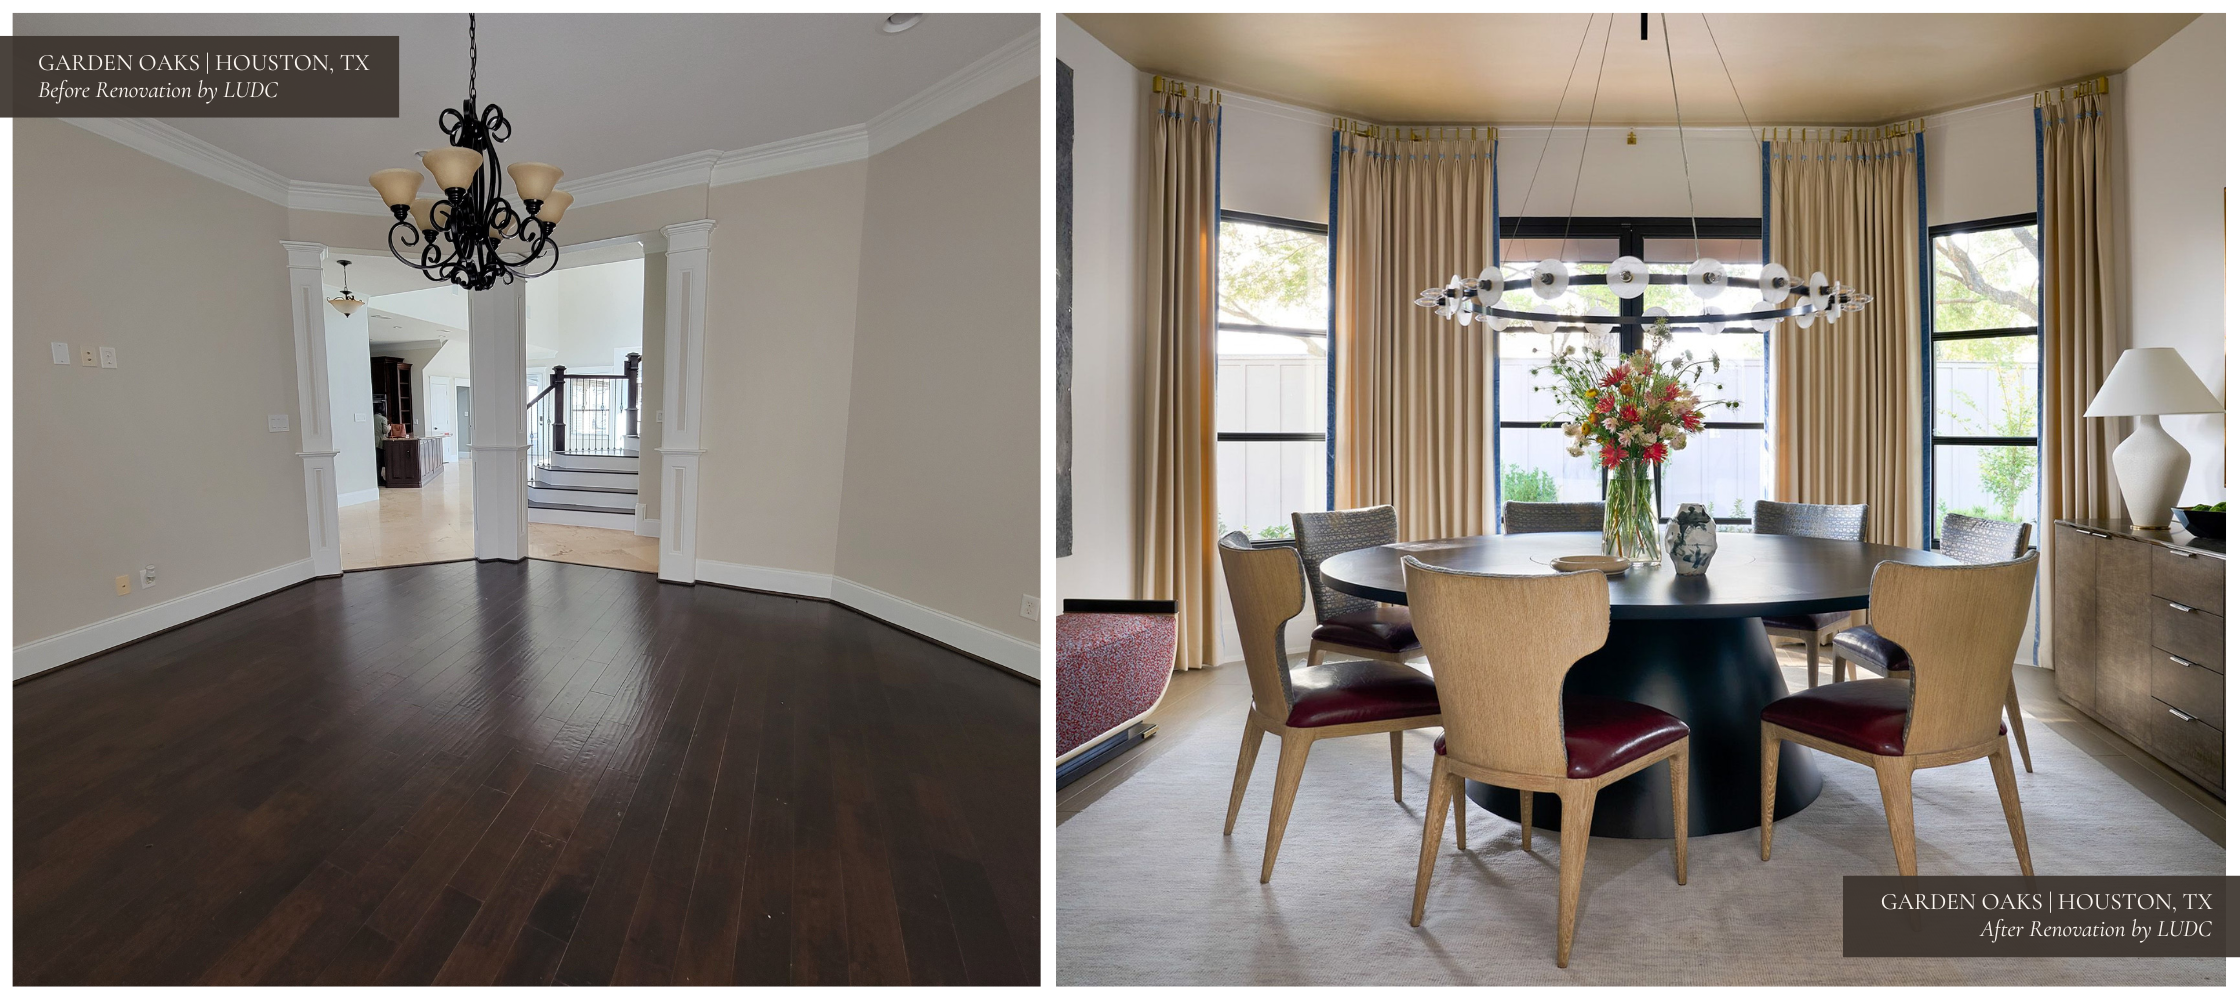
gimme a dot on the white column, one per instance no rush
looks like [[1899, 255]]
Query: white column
[[684, 330], [307, 303], [498, 361]]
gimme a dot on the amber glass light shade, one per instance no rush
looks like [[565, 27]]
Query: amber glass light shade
[[453, 166], [422, 209], [346, 303], [555, 206], [534, 181], [396, 185]]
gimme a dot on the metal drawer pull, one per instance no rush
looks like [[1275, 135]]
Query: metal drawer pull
[[2180, 607], [2183, 662], [2183, 715]]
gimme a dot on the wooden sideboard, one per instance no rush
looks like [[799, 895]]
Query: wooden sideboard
[[2138, 638], [411, 462]]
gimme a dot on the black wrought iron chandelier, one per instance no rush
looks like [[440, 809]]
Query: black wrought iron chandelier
[[463, 237]]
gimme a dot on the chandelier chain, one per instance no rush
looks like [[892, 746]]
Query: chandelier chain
[[1673, 74], [474, 56], [1579, 173], [1534, 180]]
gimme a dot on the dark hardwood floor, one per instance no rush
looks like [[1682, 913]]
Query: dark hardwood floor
[[527, 773]]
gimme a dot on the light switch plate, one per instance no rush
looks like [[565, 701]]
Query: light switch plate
[[362, 417], [61, 352], [276, 422], [87, 357], [1030, 607], [108, 357]]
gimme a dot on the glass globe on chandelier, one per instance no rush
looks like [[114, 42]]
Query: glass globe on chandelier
[[1481, 300], [463, 236], [346, 302]]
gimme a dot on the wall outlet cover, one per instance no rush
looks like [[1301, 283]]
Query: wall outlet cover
[[61, 352], [276, 422], [362, 417], [124, 585], [108, 357], [1030, 606], [88, 357], [147, 576]]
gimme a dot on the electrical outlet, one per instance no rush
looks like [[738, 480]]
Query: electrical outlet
[[276, 422], [1030, 606], [124, 585], [147, 576], [88, 357], [61, 352], [108, 357]]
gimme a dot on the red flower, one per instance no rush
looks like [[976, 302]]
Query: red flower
[[1692, 421], [1629, 413], [1671, 391], [1654, 453], [1602, 404], [1615, 376], [1612, 455]]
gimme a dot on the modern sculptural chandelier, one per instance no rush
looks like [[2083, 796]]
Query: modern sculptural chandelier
[[462, 236], [1481, 300]]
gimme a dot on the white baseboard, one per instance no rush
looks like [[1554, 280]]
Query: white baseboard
[[650, 527], [362, 496], [79, 643], [618, 521], [1008, 651]]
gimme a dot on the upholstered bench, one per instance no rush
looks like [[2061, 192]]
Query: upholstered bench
[[1114, 661]]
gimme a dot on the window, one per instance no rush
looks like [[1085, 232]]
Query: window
[[1271, 389], [1724, 467], [1983, 348]]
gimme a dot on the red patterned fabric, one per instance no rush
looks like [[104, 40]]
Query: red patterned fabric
[[1111, 668]]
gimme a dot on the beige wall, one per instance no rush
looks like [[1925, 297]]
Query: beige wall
[[782, 320], [942, 498], [164, 459]]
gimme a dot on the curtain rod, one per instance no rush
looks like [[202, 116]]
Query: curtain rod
[[1415, 133], [1176, 88], [2096, 85]]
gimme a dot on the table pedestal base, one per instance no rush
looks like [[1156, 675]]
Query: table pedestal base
[[1716, 674]]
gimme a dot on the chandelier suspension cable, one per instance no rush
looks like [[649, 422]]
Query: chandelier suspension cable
[[1689, 179], [1579, 173], [1550, 140], [1737, 91]]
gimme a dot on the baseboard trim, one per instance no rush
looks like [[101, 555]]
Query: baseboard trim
[[61, 650], [361, 496], [649, 527], [1010, 654]]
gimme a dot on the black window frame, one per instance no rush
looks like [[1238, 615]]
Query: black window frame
[[1330, 360], [1632, 234], [1931, 338]]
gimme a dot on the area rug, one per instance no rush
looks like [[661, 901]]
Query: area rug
[[1150, 892]]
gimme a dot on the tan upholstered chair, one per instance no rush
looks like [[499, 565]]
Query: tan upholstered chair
[[1345, 625], [1267, 588], [1960, 624], [1842, 522], [1500, 646]]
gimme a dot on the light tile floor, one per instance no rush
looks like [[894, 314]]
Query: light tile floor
[[435, 523]]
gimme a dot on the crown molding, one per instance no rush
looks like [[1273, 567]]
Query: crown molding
[[190, 154], [689, 170], [348, 199], [1016, 62], [808, 152]]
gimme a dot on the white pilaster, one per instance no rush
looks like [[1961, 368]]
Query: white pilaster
[[498, 361], [685, 327], [307, 305]]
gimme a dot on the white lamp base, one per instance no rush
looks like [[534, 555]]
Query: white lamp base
[[2151, 469]]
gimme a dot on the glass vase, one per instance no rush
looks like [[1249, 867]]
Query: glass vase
[[1629, 515]]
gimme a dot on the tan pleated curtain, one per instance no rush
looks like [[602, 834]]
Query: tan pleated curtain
[[2078, 299], [1175, 509], [1414, 206], [1847, 398]]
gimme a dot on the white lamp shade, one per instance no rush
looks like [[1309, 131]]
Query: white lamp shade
[[2152, 380]]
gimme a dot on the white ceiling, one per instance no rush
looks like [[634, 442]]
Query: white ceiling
[[387, 328], [590, 93]]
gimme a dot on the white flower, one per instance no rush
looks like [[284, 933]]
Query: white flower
[[1668, 432], [1573, 430], [1679, 444], [1610, 423], [1576, 450]]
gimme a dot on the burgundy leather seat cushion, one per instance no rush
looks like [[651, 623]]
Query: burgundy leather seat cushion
[[1385, 627], [1808, 623], [1865, 645], [1347, 691], [1603, 734], [1867, 715]]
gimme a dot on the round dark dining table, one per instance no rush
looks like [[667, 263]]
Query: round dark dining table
[[1692, 646]]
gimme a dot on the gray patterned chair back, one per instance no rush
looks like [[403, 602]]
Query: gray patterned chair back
[[1325, 533], [1521, 518], [1982, 539], [1845, 522]]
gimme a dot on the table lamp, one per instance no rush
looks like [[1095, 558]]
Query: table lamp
[[2151, 465]]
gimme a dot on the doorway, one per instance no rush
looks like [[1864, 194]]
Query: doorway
[[466, 416]]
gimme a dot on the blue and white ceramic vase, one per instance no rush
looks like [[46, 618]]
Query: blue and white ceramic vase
[[1691, 538]]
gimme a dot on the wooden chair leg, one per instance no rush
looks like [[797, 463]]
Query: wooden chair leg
[[1839, 669], [1524, 816], [1571, 865], [1895, 775], [2014, 722], [1434, 823], [1396, 765], [1679, 777], [1461, 833], [1290, 763], [2002, 771], [1314, 654], [1769, 769], [1812, 664], [1245, 758]]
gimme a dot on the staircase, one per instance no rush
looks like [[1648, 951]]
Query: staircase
[[588, 491]]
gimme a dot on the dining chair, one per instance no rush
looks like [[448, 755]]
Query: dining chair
[[1969, 540], [1302, 704], [1524, 518], [1500, 646], [1344, 624], [1960, 625], [1841, 522]]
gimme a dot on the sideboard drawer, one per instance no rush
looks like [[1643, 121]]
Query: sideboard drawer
[[2189, 744], [2190, 688], [2190, 632], [2189, 578]]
